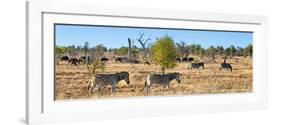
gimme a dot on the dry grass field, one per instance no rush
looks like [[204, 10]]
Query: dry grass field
[[71, 81]]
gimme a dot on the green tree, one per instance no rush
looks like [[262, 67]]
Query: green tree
[[248, 50], [240, 51], [231, 51], [60, 50], [134, 51], [220, 50], [95, 65], [122, 51], [195, 49], [211, 51], [181, 48], [100, 48], [164, 52]]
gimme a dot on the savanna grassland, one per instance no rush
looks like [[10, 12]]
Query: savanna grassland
[[71, 81]]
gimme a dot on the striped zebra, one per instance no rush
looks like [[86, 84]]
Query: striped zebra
[[101, 80], [196, 65], [163, 80]]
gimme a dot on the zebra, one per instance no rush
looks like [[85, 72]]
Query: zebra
[[100, 80], [196, 65], [163, 80], [225, 65]]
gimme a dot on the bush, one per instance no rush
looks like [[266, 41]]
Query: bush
[[164, 52]]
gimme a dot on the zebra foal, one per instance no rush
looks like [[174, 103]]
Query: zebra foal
[[161, 79], [101, 80]]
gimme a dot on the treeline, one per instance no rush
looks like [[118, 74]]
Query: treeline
[[183, 50], [195, 49]]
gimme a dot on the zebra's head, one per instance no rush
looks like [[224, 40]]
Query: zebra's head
[[124, 76], [176, 76]]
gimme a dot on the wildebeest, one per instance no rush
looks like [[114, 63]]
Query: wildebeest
[[104, 59], [136, 61], [160, 79], [121, 59], [178, 59], [184, 59], [118, 59], [187, 59], [74, 61], [147, 63], [82, 59], [196, 65], [101, 80], [190, 59], [225, 65], [65, 58]]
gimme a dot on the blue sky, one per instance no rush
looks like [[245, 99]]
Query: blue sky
[[115, 37]]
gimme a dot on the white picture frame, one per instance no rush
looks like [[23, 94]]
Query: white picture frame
[[41, 107]]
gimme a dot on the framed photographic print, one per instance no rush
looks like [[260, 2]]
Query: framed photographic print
[[91, 62]]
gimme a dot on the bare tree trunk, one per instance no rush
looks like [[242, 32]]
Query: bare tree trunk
[[129, 50], [143, 43]]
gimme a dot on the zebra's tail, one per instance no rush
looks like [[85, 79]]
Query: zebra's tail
[[91, 84], [145, 83]]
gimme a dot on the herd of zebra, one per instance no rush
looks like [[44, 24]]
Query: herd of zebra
[[101, 80]]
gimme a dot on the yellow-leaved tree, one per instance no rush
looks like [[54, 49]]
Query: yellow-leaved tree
[[164, 52]]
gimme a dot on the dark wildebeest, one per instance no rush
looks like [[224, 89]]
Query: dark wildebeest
[[104, 59], [187, 59], [147, 63], [190, 59], [178, 59], [118, 59], [225, 65], [74, 61], [82, 59], [196, 65], [136, 61], [65, 58], [121, 59], [184, 59]]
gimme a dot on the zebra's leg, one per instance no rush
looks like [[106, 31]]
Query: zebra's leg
[[100, 90], [164, 88], [148, 89], [113, 89], [89, 87]]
